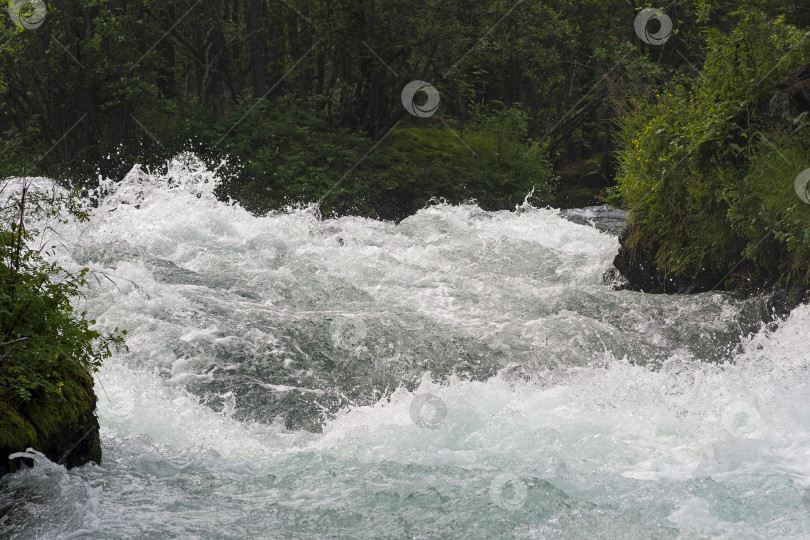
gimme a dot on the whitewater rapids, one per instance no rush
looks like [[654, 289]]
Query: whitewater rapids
[[461, 374]]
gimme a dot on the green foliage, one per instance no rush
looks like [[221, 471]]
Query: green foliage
[[296, 159], [764, 203], [490, 161], [146, 79], [685, 153], [294, 95], [35, 301]]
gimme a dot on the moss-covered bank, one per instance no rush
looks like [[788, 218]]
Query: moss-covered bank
[[62, 426]]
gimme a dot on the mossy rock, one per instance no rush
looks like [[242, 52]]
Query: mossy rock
[[62, 426]]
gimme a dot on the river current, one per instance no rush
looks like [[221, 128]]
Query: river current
[[461, 374]]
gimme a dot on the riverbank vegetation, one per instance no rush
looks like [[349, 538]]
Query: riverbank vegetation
[[47, 350], [707, 164]]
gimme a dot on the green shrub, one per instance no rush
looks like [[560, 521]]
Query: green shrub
[[296, 158], [490, 162], [765, 206], [684, 156], [35, 301]]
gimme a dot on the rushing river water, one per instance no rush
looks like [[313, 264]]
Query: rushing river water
[[462, 374]]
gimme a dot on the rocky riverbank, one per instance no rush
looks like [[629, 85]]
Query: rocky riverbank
[[639, 272]]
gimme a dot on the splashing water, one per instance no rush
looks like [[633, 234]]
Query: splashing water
[[461, 374]]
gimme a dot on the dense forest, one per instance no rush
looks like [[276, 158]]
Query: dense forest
[[565, 102]]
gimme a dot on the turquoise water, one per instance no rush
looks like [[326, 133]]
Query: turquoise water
[[463, 374]]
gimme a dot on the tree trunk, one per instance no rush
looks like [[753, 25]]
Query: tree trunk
[[255, 25]]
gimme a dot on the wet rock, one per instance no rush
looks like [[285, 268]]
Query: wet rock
[[63, 427], [785, 299], [605, 218], [634, 269], [639, 270]]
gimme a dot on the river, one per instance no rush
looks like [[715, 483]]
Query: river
[[461, 374]]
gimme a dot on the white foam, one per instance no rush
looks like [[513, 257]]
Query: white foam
[[589, 381]]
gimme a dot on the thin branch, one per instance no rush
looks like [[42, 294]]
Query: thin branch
[[13, 341]]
